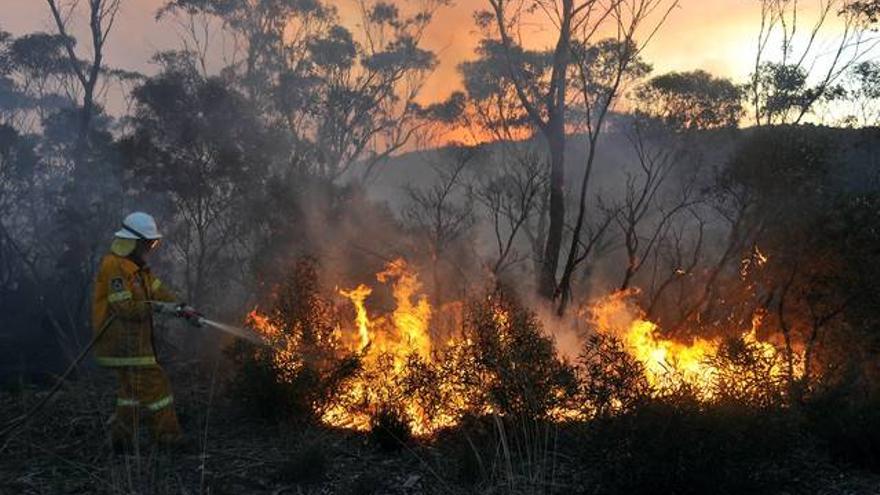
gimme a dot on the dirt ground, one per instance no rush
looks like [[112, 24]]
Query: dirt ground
[[66, 450]]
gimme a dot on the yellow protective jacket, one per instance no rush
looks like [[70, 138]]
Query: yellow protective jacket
[[122, 291]]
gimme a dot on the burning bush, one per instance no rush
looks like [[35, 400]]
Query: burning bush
[[746, 372], [741, 367], [392, 372], [389, 372], [298, 375], [515, 361], [612, 381]]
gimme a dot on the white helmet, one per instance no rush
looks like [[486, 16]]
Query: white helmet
[[139, 225]]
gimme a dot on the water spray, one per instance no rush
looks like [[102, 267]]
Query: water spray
[[239, 332], [181, 310]]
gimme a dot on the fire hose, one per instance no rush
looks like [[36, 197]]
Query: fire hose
[[22, 420], [198, 319]]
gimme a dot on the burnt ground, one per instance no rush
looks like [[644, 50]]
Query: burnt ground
[[66, 451]]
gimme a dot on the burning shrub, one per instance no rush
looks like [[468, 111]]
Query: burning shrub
[[746, 372], [516, 363], [298, 375], [742, 368], [612, 380]]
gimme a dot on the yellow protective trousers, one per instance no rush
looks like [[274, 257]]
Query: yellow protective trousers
[[144, 388]]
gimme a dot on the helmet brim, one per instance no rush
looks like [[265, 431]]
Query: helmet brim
[[124, 234]]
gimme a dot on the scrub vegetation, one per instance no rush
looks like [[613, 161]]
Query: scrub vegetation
[[573, 274]]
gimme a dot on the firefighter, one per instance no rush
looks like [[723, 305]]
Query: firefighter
[[126, 296]]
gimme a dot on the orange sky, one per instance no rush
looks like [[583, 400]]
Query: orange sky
[[716, 35]]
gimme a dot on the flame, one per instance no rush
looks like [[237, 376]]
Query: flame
[[390, 345], [387, 344], [410, 320], [665, 360], [284, 347], [357, 296]]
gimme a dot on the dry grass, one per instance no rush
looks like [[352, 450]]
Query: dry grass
[[66, 451], [625, 439]]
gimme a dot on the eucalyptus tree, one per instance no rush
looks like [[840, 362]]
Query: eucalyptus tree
[[570, 73], [786, 88], [346, 93]]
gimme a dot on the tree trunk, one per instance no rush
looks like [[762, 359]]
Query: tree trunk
[[83, 145], [556, 141]]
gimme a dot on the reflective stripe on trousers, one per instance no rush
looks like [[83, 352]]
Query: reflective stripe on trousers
[[144, 387], [159, 404], [152, 406], [117, 362]]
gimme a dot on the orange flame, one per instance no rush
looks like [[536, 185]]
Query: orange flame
[[663, 359], [410, 320], [357, 296], [390, 345], [387, 342]]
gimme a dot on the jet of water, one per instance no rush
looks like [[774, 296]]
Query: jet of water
[[242, 333]]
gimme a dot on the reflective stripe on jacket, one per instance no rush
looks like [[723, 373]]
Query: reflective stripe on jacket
[[123, 289]]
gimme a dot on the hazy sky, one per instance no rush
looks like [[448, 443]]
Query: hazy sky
[[716, 35]]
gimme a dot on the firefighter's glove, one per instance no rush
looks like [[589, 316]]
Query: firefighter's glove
[[189, 314], [164, 308]]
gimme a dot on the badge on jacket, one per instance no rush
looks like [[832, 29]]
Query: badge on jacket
[[117, 285]]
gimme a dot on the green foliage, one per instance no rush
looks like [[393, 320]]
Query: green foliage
[[40, 52], [864, 10], [515, 361], [783, 94], [607, 64], [18, 160], [301, 384], [867, 74], [179, 112], [258, 386], [489, 76], [853, 227], [337, 50], [611, 380], [488, 84], [780, 165], [340, 96], [691, 100]]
